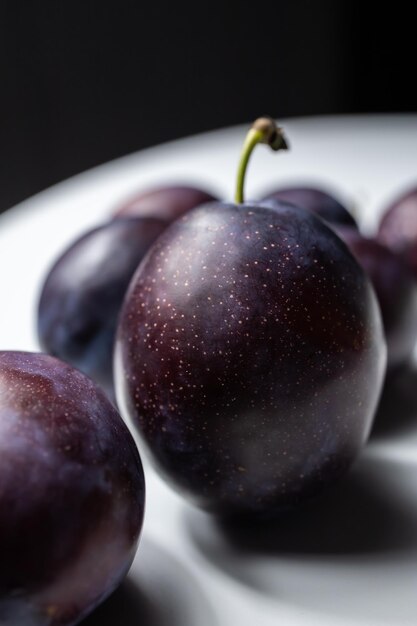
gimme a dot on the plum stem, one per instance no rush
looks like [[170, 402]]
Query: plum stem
[[263, 130]]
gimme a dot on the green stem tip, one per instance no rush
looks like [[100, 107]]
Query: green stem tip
[[263, 130]]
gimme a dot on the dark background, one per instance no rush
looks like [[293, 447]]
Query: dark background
[[82, 83]]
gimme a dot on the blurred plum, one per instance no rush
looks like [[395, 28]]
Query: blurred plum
[[167, 202], [319, 202], [84, 290]]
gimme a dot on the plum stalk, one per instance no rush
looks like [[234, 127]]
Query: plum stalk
[[263, 130]]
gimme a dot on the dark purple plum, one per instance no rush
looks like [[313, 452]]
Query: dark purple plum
[[396, 290], [250, 353], [319, 202], [71, 493], [84, 290], [398, 228], [167, 202], [250, 356]]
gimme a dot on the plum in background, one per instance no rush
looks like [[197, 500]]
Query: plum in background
[[71, 493], [398, 228], [316, 200], [250, 354], [166, 202], [84, 290], [396, 290]]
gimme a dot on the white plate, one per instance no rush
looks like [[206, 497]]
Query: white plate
[[350, 559]]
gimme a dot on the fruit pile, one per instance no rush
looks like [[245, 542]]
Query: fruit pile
[[246, 343]]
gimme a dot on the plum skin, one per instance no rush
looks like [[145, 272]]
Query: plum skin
[[250, 357], [396, 290], [316, 200], [166, 202], [83, 293], [72, 493], [398, 228]]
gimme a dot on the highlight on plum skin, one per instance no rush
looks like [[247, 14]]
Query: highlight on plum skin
[[72, 493], [83, 293], [167, 202], [320, 202]]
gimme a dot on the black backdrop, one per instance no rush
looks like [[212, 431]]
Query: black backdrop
[[83, 82]]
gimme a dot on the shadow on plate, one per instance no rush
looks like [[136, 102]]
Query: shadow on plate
[[360, 515], [159, 591], [128, 605], [397, 411], [351, 554]]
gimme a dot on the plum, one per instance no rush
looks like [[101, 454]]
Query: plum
[[71, 493], [316, 200], [84, 290], [165, 202], [398, 228], [396, 290], [250, 354]]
